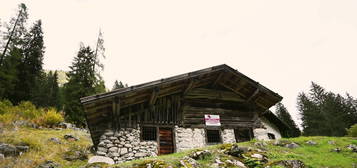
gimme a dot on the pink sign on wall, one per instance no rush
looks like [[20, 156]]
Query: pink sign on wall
[[212, 120]]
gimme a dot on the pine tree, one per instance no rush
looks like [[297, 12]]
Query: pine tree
[[283, 114], [325, 113], [83, 81], [12, 52], [30, 68], [118, 85]]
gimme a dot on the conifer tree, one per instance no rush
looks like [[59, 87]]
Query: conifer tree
[[325, 113], [283, 114], [118, 85], [83, 81], [30, 68], [12, 52]]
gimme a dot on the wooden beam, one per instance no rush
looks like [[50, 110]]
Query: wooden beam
[[232, 89], [189, 86], [154, 95], [220, 75], [255, 93]]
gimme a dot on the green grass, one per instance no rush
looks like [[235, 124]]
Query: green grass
[[319, 155], [41, 150]]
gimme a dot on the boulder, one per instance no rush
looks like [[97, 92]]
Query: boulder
[[22, 148], [291, 163], [331, 142], [49, 164], [236, 163], [2, 156], [257, 156], [55, 140], [75, 155], [101, 159], [336, 150], [65, 125], [188, 162], [311, 142], [292, 145], [200, 155], [70, 137], [235, 151], [8, 150], [352, 147]]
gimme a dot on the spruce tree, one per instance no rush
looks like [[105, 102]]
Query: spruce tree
[[283, 114], [12, 52], [325, 113], [30, 68], [83, 81], [117, 85]]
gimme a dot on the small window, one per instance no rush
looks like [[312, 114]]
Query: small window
[[149, 133], [271, 136], [213, 136]]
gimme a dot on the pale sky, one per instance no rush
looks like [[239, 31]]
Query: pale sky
[[282, 44]]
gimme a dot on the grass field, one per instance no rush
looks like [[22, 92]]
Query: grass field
[[41, 149]]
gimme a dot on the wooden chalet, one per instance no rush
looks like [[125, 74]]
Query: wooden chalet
[[182, 101]]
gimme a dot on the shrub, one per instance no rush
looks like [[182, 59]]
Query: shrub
[[352, 132], [51, 118], [27, 110], [5, 105]]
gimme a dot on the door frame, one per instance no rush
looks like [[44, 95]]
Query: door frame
[[158, 135]]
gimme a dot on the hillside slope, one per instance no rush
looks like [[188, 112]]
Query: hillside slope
[[53, 145]]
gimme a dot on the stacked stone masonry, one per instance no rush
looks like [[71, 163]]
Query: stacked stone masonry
[[188, 138], [125, 145]]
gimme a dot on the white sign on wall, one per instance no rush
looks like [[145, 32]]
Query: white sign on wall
[[212, 120]]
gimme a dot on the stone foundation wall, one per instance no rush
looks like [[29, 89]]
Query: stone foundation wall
[[188, 138], [262, 133], [228, 136], [125, 145]]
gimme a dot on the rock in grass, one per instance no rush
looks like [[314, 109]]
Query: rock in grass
[[352, 147], [188, 162], [291, 163], [236, 163], [336, 150], [70, 137], [292, 145], [49, 164], [55, 140], [311, 142], [22, 148], [8, 150], [75, 155], [101, 159], [235, 151], [331, 142], [200, 155], [257, 156], [2, 156]]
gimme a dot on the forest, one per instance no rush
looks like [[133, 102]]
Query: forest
[[23, 79]]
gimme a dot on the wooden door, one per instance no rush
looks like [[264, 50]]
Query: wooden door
[[166, 145]]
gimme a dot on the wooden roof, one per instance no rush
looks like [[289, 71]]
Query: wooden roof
[[223, 75]]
